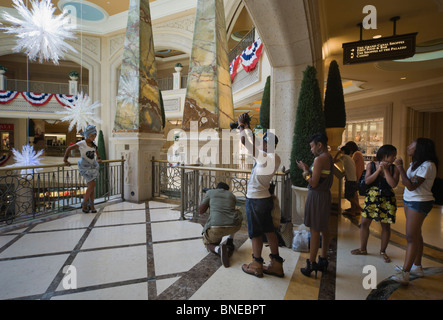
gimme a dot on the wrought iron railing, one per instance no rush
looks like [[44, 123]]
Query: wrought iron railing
[[245, 42], [27, 193], [175, 181]]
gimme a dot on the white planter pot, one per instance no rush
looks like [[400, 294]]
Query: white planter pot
[[298, 204]]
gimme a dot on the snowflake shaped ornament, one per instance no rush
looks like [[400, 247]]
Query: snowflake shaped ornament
[[81, 113], [41, 35], [28, 157]]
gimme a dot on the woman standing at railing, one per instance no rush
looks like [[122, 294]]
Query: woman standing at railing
[[88, 166]]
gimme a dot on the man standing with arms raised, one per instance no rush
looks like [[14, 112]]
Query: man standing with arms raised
[[259, 201]]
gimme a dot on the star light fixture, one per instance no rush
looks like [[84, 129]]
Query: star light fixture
[[28, 157], [81, 113], [40, 34]]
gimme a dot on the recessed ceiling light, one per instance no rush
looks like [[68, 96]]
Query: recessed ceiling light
[[377, 36], [403, 78]]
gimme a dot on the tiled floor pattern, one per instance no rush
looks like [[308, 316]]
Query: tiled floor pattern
[[144, 251]]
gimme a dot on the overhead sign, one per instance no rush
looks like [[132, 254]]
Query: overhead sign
[[386, 48]]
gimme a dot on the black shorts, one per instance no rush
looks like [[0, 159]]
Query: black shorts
[[258, 214], [350, 189]]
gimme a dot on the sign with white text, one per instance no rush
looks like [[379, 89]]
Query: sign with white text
[[386, 48]]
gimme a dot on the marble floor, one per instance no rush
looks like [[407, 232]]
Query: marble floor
[[143, 251]]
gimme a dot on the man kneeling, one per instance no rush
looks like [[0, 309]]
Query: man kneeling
[[224, 220]]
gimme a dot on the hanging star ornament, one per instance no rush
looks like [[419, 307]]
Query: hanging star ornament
[[41, 34], [28, 157], [81, 113]]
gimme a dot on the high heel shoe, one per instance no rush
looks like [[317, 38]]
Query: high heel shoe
[[322, 264], [310, 266]]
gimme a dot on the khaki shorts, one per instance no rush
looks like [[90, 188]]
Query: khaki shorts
[[214, 235]]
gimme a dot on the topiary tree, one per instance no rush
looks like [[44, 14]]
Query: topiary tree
[[309, 120], [162, 108], [335, 113], [265, 108], [101, 188]]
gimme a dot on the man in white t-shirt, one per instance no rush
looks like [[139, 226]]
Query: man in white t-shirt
[[344, 155], [259, 201]]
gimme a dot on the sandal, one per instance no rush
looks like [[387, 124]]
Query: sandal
[[385, 257], [359, 252]]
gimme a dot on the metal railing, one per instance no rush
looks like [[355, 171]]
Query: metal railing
[[245, 42], [41, 86], [28, 193], [175, 181]]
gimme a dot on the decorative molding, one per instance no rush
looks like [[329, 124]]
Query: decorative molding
[[432, 103], [116, 43], [91, 45], [375, 93], [186, 23]]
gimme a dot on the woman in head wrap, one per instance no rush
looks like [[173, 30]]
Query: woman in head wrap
[[88, 166]]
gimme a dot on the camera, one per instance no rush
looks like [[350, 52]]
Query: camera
[[234, 125]]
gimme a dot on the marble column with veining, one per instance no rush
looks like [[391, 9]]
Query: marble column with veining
[[209, 94], [138, 103]]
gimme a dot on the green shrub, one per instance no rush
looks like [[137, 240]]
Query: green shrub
[[309, 120]]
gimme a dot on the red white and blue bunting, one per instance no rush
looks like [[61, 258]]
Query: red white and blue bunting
[[64, 99], [8, 96], [36, 99], [248, 58]]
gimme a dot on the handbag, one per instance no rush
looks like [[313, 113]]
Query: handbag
[[362, 186]]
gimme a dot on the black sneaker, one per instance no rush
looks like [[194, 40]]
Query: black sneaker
[[224, 255]]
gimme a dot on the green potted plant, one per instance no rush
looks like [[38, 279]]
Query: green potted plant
[[73, 75], [3, 69], [309, 120], [335, 113], [178, 67]]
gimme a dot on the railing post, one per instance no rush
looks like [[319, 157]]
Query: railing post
[[122, 182], [182, 193]]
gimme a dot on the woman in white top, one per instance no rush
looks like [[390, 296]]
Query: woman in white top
[[88, 165], [418, 201]]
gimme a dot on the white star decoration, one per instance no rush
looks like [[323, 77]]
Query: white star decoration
[[81, 112], [28, 157], [41, 35]]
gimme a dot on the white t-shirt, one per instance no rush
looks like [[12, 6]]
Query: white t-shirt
[[87, 153], [349, 166], [266, 164], [428, 171]]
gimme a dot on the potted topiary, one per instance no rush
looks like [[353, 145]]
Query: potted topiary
[[335, 113], [73, 75], [265, 107], [309, 120], [178, 67]]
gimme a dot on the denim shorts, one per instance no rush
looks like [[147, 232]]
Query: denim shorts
[[424, 207], [258, 214]]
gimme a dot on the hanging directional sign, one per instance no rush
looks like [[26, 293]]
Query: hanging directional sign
[[386, 48]]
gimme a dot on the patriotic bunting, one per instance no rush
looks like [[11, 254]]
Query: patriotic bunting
[[37, 99], [251, 55], [248, 58], [8, 96], [64, 99]]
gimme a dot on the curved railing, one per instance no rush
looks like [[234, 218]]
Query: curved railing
[[31, 192]]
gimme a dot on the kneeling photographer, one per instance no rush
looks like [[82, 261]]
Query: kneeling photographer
[[224, 220]]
